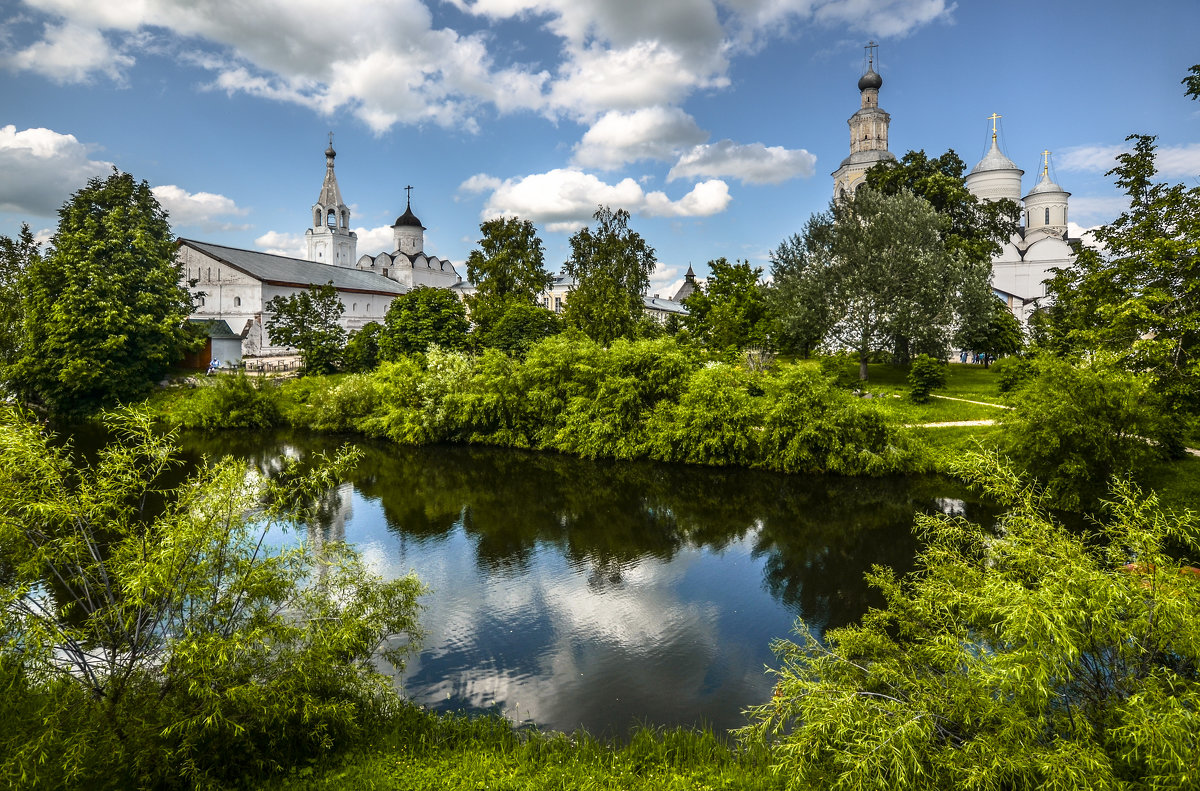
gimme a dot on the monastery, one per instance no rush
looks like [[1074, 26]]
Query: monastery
[[1040, 243]]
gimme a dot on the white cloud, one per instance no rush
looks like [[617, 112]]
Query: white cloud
[[650, 133], [199, 209], [292, 245], [70, 53], [386, 63], [566, 199], [1096, 210], [42, 168], [372, 241], [752, 163], [1086, 235], [666, 279], [1173, 162]]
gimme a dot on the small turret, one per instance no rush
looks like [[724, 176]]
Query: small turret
[[330, 240]]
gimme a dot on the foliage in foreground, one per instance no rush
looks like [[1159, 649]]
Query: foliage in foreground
[[1033, 658], [173, 638], [422, 750]]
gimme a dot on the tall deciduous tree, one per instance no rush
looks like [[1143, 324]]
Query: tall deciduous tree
[[797, 297], [973, 231], [995, 333], [105, 309], [17, 256], [422, 318], [507, 267], [310, 322], [892, 276], [611, 267], [1139, 294], [729, 310]]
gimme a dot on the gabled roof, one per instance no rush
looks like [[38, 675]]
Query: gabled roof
[[279, 270], [215, 328]]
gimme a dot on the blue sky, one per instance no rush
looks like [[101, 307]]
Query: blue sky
[[716, 123]]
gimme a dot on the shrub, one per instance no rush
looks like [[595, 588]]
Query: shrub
[[925, 375], [362, 350], [1012, 372], [1034, 657], [715, 420], [188, 646], [233, 401], [1073, 427], [842, 369]]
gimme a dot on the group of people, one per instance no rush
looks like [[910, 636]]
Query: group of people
[[975, 357]]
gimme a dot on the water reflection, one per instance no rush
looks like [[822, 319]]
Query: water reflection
[[568, 592]]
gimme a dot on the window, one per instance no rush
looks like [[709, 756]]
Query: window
[[331, 220], [558, 304], [354, 308], [209, 273], [237, 302], [1047, 215]]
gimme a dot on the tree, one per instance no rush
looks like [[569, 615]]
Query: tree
[[310, 322], [362, 350], [994, 335], [158, 639], [105, 309], [1138, 295], [1032, 656], [1192, 81], [611, 268], [891, 275], [518, 327], [422, 318], [730, 310], [16, 258], [507, 267], [972, 233], [797, 297]]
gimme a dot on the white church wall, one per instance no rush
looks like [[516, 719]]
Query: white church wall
[[227, 293]]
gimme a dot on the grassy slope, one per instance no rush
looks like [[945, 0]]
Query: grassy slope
[[454, 752]]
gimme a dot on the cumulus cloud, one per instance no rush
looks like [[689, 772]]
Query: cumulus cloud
[[1088, 159], [752, 163], [371, 241], [565, 199], [42, 168], [199, 209], [385, 62], [1096, 210], [618, 138], [1173, 162], [70, 53]]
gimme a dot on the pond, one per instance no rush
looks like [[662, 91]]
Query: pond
[[568, 593]]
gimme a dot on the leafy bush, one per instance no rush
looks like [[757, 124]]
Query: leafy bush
[[1073, 427], [233, 401], [813, 427], [190, 646], [715, 420], [1012, 372], [362, 350], [334, 403], [925, 375], [1032, 658], [841, 368]]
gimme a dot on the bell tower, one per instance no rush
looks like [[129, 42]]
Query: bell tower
[[868, 130], [330, 240]]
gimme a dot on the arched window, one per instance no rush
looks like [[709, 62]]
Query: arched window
[[331, 219], [317, 217], [237, 302], [1047, 215], [354, 309], [209, 273]]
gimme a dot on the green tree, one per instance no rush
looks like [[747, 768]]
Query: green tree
[[1138, 296], [104, 310], [518, 327], [729, 311], [1073, 427], [16, 258], [1032, 656], [995, 335], [362, 350], [891, 277], [507, 267], [1192, 81], [310, 322], [972, 233], [797, 298], [171, 640], [422, 318], [925, 375], [611, 268]]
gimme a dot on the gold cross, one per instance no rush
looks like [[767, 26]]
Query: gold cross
[[1046, 166], [993, 118]]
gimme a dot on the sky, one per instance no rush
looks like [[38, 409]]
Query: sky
[[715, 123]]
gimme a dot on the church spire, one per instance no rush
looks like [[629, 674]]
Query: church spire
[[330, 240]]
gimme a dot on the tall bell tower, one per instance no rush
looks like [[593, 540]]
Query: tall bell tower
[[330, 240], [868, 130]]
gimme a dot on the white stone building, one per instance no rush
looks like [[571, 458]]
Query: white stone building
[[868, 133], [233, 285]]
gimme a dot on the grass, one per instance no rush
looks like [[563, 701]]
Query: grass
[[447, 751]]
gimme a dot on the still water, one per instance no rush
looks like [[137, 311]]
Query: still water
[[566, 593]]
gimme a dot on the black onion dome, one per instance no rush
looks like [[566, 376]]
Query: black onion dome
[[870, 80], [329, 152], [408, 219]]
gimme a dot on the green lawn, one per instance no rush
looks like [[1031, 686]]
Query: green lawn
[[426, 750]]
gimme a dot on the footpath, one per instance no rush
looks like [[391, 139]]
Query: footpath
[[948, 424]]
